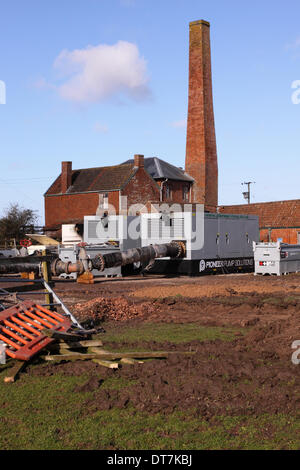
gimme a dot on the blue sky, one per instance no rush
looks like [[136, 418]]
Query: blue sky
[[50, 116]]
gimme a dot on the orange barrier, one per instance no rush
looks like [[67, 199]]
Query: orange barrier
[[21, 325]]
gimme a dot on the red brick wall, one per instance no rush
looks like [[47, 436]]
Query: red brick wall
[[71, 208], [201, 150], [176, 188], [113, 199], [288, 235], [66, 208], [271, 214], [141, 188], [282, 217]]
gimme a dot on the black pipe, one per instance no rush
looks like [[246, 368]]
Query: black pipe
[[143, 255], [7, 268]]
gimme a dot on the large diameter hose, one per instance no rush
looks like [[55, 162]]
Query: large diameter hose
[[12, 268], [143, 255]]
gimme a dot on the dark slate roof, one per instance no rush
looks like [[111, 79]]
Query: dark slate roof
[[107, 178], [159, 169]]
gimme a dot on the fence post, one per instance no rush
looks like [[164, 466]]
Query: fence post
[[47, 277]]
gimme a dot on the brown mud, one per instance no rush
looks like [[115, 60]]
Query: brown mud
[[220, 378], [250, 375]]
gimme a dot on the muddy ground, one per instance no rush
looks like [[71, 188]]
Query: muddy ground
[[252, 374]]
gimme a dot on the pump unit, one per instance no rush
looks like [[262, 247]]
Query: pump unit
[[213, 242], [71, 254]]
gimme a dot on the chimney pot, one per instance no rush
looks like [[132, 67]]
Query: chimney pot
[[66, 176]]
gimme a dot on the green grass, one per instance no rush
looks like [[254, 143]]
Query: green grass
[[117, 383], [45, 413], [174, 333], [177, 431]]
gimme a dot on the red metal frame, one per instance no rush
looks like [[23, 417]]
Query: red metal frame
[[21, 329]]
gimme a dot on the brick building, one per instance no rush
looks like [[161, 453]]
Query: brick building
[[277, 220], [175, 185], [90, 191]]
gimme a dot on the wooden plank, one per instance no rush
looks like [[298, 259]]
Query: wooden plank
[[114, 355], [14, 372], [130, 361], [69, 357], [98, 350], [109, 364], [64, 351]]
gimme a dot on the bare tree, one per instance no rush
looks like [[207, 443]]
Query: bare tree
[[16, 222]]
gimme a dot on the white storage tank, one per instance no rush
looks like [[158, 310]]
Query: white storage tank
[[276, 258]]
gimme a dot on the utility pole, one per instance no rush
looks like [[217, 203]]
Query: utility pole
[[246, 194]]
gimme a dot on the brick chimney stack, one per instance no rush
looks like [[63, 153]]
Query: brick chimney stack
[[201, 150], [66, 176], [139, 161]]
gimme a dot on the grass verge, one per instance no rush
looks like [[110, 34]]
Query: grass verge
[[171, 332]]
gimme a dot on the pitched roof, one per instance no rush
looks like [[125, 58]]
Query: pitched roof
[[271, 214], [159, 169], [107, 178]]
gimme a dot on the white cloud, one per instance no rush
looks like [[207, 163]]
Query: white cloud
[[179, 124], [100, 128], [100, 72]]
